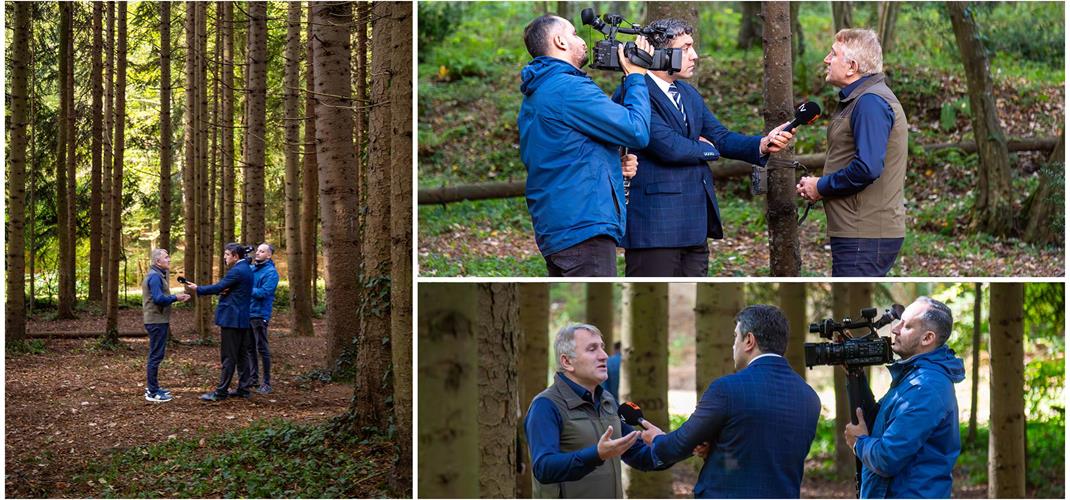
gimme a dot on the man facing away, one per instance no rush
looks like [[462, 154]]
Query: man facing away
[[758, 422], [156, 312]]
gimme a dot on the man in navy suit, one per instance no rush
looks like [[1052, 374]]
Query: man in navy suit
[[672, 207], [758, 422]]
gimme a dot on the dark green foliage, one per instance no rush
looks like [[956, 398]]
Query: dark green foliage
[[437, 21], [274, 458], [27, 346]]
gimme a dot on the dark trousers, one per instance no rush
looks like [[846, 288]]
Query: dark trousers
[[157, 346], [667, 262], [233, 354], [864, 257], [596, 257], [259, 345]]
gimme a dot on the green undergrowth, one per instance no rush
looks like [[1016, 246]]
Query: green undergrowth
[[269, 459]]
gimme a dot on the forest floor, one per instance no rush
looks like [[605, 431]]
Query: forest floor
[[74, 405]]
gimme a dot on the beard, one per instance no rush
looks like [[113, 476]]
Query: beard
[[582, 59]]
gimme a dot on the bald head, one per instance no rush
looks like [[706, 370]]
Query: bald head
[[539, 33]]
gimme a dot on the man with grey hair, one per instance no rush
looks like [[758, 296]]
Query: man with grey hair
[[914, 443], [673, 208], [865, 165], [575, 437], [156, 303]]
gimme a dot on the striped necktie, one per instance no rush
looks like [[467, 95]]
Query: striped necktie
[[675, 94]]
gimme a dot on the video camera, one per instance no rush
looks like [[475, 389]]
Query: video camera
[[604, 54], [869, 349]]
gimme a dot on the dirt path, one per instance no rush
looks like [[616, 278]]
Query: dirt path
[[72, 405]]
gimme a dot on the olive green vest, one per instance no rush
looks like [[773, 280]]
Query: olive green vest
[[879, 210], [152, 313], [581, 427]]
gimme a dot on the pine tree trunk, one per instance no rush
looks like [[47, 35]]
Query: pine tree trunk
[[975, 360], [716, 306], [645, 376], [750, 27], [845, 458], [165, 126], [69, 265], [301, 310], [96, 292], [784, 258], [1006, 441], [841, 16], [360, 78], [107, 157], [20, 66], [532, 366], [66, 303], [993, 210], [228, 173], [793, 303], [253, 216], [189, 165], [116, 223], [798, 42], [310, 176], [498, 399], [401, 255], [204, 234], [375, 246], [889, 11], [449, 393], [600, 311]]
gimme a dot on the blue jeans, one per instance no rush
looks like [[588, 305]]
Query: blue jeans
[[864, 257], [157, 345]]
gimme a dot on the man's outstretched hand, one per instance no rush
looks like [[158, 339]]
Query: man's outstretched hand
[[609, 448]]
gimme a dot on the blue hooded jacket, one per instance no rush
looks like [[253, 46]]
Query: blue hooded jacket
[[233, 308], [569, 134], [265, 279], [914, 442]]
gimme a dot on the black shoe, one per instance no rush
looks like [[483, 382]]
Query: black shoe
[[240, 394], [213, 396]]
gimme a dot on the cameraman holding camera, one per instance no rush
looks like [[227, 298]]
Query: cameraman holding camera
[[232, 316], [673, 206], [569, 134], [914, 442]]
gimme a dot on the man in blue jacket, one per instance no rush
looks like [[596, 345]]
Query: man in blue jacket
[[672, 208], [758, 422], [265, 279], [156, 311], [569, 137], [232, 316], [915, 438]]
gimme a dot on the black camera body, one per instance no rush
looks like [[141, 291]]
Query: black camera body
[[604, 53], [870, 349]]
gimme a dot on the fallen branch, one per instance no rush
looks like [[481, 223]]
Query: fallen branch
[[721, 169]]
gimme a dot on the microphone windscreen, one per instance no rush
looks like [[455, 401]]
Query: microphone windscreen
[[587, 15], [630, 413], [807, 112]]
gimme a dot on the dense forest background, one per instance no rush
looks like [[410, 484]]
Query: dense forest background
[[470, 56], [184, 126], [677, 337]]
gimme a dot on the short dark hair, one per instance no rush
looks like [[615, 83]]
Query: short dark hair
[[667, 29], [236, 249], [769, 326], [537, 34], [937, 318]]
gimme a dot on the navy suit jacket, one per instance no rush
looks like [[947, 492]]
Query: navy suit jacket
[[671, 202], [759, 423]]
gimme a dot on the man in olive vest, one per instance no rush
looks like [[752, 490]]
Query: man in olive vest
[[575, 437], [866, 161], [156, 308]]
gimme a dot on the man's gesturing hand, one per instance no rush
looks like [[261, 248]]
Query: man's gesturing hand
[[609, 447]]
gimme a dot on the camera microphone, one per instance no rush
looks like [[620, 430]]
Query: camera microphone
[[631, 414], [587, 16], [805, 114]]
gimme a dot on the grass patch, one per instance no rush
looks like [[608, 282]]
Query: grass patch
[[25, 346], [273, 458]]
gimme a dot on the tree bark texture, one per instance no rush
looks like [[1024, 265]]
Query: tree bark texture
[[750, 26], [63, 200], [645, 376], [228, 173], [784, 257], [532, 367], [204, 207], [1006, 441], [256, 103], [993, 212], [96, 84], [165, 126], [600, 311], [301, 310], [107, 156], [449, 393], [716, 306], [793, 302], [975, 362], [1048, 199], [117, 173], [190, 261], [20, 66], [498, 398], [310, 176]]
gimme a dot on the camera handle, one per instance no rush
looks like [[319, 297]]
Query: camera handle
[[860, 396]]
